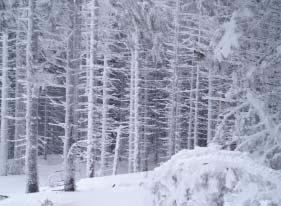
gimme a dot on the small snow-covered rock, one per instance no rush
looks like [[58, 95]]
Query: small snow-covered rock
[[208, 176], [3, 197]]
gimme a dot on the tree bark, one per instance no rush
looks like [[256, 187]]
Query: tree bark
[[91, 141], [73, 66], [4, 108], [31, 105], [174, 119], [104, 138]]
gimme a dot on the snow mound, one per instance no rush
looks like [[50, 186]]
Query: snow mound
[[207, 176]]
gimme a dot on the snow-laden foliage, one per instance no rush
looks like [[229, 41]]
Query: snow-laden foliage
[[228, 40], [207, 176], [128, 83], [249, 116]]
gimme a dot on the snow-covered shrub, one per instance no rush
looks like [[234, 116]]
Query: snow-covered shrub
[[211, 177], [15, 167], [47, 202], [55, 179], [273, 158]]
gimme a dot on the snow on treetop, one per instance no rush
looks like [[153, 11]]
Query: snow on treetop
[[228, 41], [230, 37], [207, 176]]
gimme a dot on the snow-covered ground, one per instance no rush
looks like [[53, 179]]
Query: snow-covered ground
[[120, 190], [200, 177], [15, 184]]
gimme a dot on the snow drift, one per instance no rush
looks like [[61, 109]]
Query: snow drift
[[207, 176]]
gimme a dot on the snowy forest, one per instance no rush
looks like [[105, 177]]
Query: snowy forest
[[120, 86]]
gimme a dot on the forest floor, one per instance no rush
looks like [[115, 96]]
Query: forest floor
[[200, 177], [120, 190]]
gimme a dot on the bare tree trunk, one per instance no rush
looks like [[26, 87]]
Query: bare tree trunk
[[116, 151], [104, 138], [131, 119], [4, 108], [73, 66], [145, 124], [196, 110], [69, 139], [45, 146], [190, 117], [134, 154], [210, 106], [136, 158], [196, 106], [174, 133], [91, 98], [31, 105], [20, 107]]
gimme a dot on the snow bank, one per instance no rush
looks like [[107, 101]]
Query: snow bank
[[207, 176]]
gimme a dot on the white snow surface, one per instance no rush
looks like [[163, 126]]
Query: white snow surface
[[120, 190], [207, 176], [200, 177], [15, 184]]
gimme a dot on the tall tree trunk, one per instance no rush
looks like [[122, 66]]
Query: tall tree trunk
[[4, 107], [104, 138], [116, 151], [135, 58], [73, 66], [210, 106], [91, 99], [45, 140], [131, 122], [69, 139], [196, 109], [134, 153], [131, 115], [174, 138], [190, 116], [20, 107], [20, 112], [145, 125], [31, 105]]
